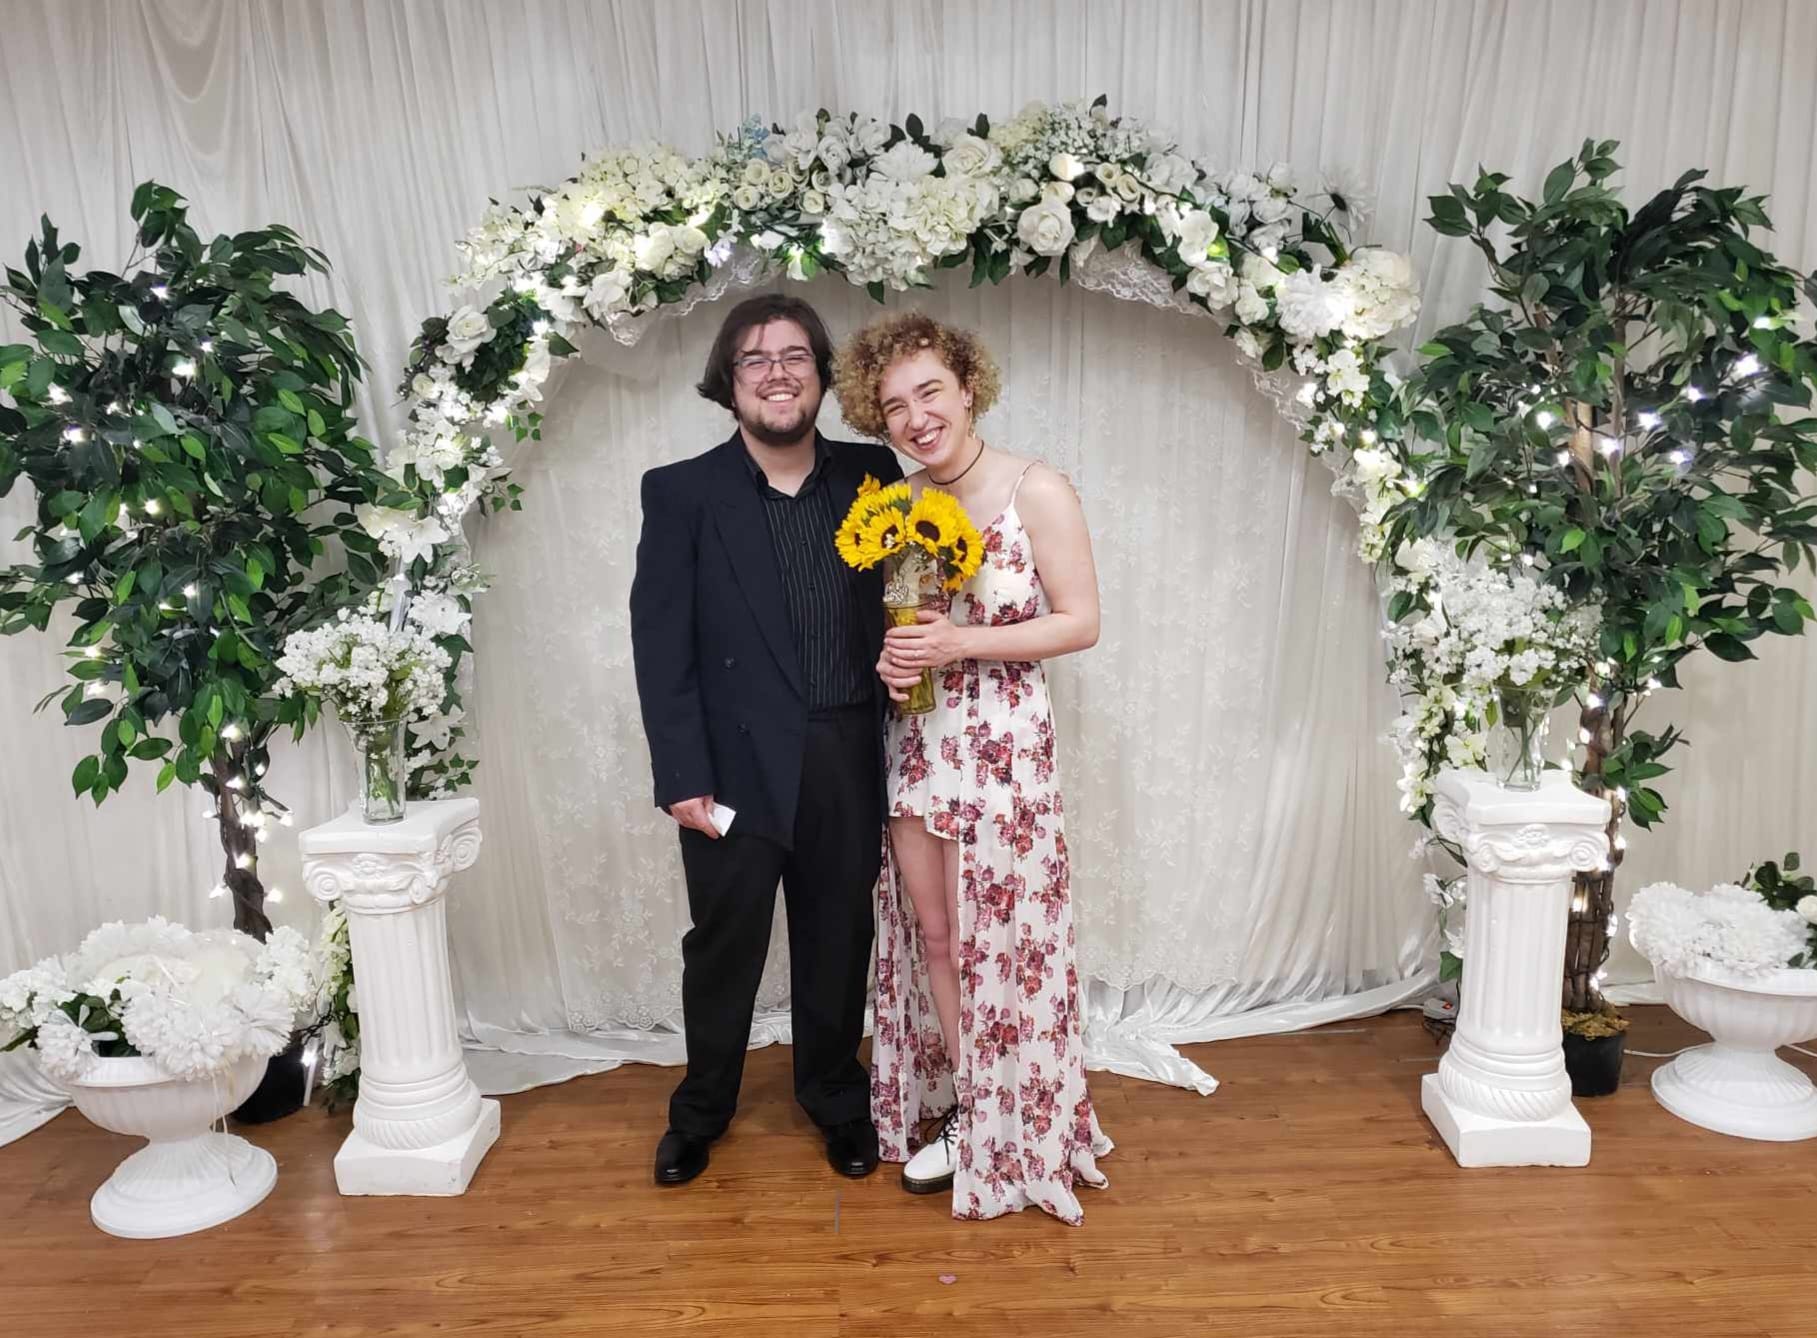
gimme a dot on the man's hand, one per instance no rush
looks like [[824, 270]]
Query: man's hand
[[897, 679], [696, 813]]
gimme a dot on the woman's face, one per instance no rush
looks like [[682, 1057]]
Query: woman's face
[[927, 411]]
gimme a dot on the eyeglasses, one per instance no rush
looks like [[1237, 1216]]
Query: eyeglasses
[[754, 367]]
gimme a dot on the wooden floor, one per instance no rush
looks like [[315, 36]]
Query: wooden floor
[[1308, 1196]]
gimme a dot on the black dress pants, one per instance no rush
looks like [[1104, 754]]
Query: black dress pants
[[828, 880]]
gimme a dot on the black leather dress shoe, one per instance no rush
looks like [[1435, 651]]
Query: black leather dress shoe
[[851, 1148], [680, 1157]]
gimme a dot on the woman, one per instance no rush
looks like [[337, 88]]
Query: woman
[[975, 937]]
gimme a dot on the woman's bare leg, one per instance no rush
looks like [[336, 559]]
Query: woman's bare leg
[[930, 869]]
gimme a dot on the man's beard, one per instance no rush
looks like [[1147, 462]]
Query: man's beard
[[772, 436]]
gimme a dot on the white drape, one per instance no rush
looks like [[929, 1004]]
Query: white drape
[[1239, 855]]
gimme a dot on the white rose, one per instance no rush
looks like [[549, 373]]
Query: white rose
[[655, 248], [801, 143], [605, 294], [1217, 284], [1023, 191], [947, 133], [813, 203], [871, 135], [1271, 209], [1170, 173], [1103, 208], [833, 153], [1251, 305], [1057, 191], [1065, 167], [1247, 344], [972, 157], [781, 185], [1247, 187], [1128, 187], [690, 240], [1261, 273], [468, 328], [756, 172], [1196, 231], [1807, 907], [423, 387], [1046, 228], [1280, 176], [747, 197]]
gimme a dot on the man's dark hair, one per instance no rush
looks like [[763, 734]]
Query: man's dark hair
[[716, 384]]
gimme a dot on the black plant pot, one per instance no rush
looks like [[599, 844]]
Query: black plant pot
[[1594, 1064], [280, 1091]]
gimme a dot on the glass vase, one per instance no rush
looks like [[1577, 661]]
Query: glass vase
[[921, 695], [383, 772], [1517, 742]]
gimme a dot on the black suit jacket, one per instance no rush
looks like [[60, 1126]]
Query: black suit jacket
[[718, 673]]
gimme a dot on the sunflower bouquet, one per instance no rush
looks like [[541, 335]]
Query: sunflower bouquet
[[926, 544]]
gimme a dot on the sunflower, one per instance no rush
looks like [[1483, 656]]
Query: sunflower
[[870, 485], [967, 556], [873, 528], [939, 524]]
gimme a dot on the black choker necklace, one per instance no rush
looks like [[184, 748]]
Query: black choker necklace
[[947, 483]]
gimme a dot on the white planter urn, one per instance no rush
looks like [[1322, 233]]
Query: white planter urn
[[191, 1176], [1736, 1084]]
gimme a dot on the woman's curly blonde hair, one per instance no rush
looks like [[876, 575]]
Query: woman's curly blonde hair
[[860, 364]]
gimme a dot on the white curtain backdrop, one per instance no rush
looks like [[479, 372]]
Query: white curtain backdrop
[[1240, 864]]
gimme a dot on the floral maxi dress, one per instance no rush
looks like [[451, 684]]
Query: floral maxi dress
[[979, 769]]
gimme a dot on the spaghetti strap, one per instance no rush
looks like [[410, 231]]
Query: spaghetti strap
[[1018, 488]]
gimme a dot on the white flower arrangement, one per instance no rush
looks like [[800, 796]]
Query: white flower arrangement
[[368, 673], [643, 226], [1729, 927], [194, 1003], [1480, 626]]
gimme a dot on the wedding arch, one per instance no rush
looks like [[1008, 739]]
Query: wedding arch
[[1063, 189]]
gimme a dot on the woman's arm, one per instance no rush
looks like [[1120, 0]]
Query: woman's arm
[[1056, 527]]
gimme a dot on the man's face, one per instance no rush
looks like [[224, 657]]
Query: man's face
[[776, 386]]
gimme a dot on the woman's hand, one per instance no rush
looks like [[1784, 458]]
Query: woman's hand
[[932, 643]]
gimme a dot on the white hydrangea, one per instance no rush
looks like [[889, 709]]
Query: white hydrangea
[[1380, 293], [1309, 307], [1727, 927], [194, 1003]]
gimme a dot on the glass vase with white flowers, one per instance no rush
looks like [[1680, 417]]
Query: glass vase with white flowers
[[377, 677]]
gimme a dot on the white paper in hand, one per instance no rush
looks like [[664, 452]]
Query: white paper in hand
[[722, 818]]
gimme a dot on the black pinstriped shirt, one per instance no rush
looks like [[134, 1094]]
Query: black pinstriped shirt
[[828, 634]]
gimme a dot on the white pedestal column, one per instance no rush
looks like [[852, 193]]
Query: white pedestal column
[[1501, 1096], [420, 1126]]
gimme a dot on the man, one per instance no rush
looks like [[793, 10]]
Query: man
[[755, 649]]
